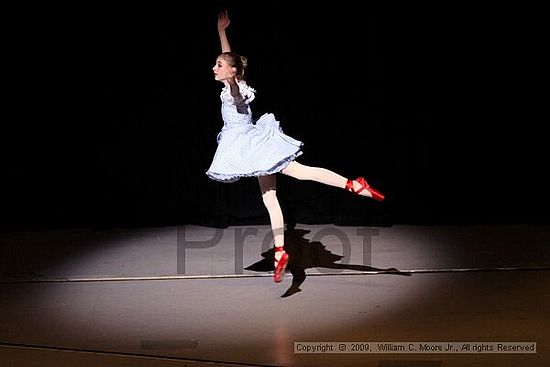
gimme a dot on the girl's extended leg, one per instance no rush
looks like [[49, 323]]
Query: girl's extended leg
[[268, 185], [322, 175]]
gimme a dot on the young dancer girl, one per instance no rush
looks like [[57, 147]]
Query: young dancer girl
[[249, 148]]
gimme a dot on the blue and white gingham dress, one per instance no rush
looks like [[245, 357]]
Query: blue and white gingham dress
[[247, 148]]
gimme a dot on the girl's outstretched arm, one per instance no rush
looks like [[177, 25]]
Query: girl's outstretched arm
[[223, 23]]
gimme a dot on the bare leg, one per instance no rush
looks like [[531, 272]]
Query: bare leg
[[322, 175], [268, 185]]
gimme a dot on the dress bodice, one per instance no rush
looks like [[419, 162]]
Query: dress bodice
[[231, 116], [231, 113]]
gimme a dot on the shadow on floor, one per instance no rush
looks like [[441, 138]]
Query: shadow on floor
[[305, 254]]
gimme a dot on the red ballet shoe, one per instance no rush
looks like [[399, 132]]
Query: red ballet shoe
[[376, 195], [280, 266]]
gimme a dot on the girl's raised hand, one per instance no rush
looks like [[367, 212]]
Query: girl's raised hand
[[223, 20]]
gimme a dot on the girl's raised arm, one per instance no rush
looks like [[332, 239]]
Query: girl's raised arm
[[223, 23]]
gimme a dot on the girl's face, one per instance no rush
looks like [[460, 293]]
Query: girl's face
[[222, 70]]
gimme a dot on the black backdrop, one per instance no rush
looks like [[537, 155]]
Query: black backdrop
[[112, 114]]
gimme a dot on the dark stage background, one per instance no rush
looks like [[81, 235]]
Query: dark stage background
[[112, 114]]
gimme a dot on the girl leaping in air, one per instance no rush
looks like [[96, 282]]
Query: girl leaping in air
[[259, 148]]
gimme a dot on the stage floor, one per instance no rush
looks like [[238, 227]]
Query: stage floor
[[197, 296]]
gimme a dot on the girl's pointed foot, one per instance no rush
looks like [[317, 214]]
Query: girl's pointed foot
[[375, 194], [280, 264]]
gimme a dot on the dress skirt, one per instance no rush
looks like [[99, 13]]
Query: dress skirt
[[252, 149]]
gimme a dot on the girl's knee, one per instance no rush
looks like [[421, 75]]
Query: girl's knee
[[270, 198]]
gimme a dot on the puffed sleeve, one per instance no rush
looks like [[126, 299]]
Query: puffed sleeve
[[247, 92]]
